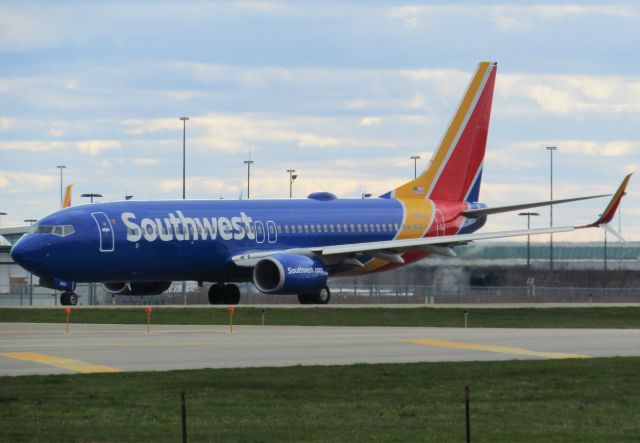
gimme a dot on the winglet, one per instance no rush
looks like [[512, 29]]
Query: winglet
[[67, 197], [612, 207]]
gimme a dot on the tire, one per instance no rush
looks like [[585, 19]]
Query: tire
[[64, 299], [215, 294], [324, 296], [73, 299], [232, 294], [303, 299]]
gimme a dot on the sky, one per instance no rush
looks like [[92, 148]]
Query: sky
[[342, 92]]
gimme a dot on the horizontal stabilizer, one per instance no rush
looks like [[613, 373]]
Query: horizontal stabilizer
[[480, 212]]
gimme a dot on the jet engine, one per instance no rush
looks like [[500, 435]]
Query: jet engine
[[137, 288], [290, 274]]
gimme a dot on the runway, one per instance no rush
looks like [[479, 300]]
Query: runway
[[36, 348]]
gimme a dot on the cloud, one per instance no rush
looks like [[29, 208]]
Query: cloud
[[371, 121], [97, 147], [140, 161], [506, 18], [570, 94], [315, 141], [590, 148], [34, 145], [21, 181]]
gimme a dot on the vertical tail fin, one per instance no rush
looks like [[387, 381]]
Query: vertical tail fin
[[66, 202], [455, 170]]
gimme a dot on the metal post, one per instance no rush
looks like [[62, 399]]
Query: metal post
[[61, 167], [184, 155], [292, 177], [605, 258], [184, 185], [466, 413], [248, 163], [528, 214], [415, 165], [184, 416], [551, 149]]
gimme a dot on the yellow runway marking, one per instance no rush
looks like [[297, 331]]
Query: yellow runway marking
[[491, 348], [59, 362]]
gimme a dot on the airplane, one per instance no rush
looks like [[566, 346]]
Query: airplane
[[283, 246]]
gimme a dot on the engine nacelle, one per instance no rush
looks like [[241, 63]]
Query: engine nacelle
[[137, 288], [290, 274]]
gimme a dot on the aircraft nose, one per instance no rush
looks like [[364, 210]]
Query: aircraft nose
[[25, 253]]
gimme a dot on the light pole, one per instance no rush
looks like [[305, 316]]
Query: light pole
[[415, 159], [551, 149], [292, 177], [184, 154], [184, 182], [1, 214], [31, 221], [91, 196], [529, 215], [248, 163], [61, 167]]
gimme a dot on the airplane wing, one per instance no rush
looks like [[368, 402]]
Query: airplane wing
[[475, 213], [390, 250]]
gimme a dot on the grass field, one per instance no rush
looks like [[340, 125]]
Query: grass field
[[532, 401], [605, 317]]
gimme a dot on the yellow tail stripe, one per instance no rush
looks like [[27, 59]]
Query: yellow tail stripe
[[498, 349], [59, 362]]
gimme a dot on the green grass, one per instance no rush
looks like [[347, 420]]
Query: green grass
[[605, 317], [524, 401]]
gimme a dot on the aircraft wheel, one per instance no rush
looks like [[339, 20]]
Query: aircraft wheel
[[216, 294], [232, 294], [324, 296], [73, 299], [64, 299], [305, 299]]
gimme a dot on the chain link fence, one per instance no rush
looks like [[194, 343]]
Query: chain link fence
[[94, 294]]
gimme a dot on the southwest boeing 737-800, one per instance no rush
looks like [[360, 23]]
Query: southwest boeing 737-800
[[282, 246]]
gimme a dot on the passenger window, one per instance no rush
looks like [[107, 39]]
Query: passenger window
[[306, 229], [339, 228], [359, 227], [325, 228], [331, 228], [280, 229], [353, 228], [300, 229], [286, 229], [313, 229], [366, 228]]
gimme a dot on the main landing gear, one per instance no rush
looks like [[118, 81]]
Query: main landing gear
[[221, 294], [68, 298], [321, 297]]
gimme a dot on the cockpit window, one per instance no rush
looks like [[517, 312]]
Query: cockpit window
[[59, 230]]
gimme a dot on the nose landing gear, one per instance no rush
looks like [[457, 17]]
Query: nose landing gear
[[69, 298]]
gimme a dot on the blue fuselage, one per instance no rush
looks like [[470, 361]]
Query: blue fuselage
[[196, 239]]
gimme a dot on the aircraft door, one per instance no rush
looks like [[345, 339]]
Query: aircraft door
[[259, 231], [105, 229], [272, 234]]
